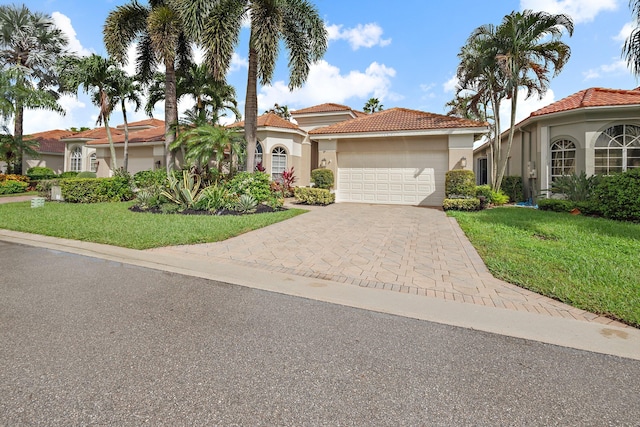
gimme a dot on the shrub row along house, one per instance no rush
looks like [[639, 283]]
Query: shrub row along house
[[395, 156], [596, 131]]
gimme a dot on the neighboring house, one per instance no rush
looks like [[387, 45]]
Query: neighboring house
[[78, 155], [595, 130], [146, 147], [50, 150]]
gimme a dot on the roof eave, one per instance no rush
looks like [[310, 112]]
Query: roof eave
[[400, 133]]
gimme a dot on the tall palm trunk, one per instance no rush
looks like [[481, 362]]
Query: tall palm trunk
[[17, 135], [126, 136], [251, 108], [503, 162], [170, 113]]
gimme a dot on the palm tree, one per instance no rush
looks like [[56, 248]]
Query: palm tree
[[196, 81], [161, 39], [124, 89], [529, 49], [96, 75], [208, 142], [216, 25], [280, 111], [373, 105], [631, 48], [30, 45], [519, 53]]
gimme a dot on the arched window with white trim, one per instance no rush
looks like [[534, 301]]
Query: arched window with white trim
[[617, 149], [258, 155], [563, 158], [76, 160], [278, 163]]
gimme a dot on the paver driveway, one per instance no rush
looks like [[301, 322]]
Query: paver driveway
[[399, 248]]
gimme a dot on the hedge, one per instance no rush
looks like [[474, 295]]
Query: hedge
[[13, 187], [512, 186], [470, 204], [618, 196], [95, 190], [314, 196]]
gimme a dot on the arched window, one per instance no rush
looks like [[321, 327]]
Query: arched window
[[76, 159], [563, 158], [278, 163], [617, 149], [94, 162], [258, 157]]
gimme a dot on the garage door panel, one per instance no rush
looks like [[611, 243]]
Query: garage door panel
[[392, 178]]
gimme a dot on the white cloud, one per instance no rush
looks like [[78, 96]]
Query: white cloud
[[618, 66], [525, 107], [238, 63], [580, 10], [64, 24], [327, 84], [450, 85], [625, 32], [43, 120], [427, 90], [367, 35]]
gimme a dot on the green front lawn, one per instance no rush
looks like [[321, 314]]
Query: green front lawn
[[28, 193], [590, 263], [114, 224]]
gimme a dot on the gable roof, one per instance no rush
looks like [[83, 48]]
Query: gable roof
[[270, 120], [592, 97], [398, 119], [49, 141]]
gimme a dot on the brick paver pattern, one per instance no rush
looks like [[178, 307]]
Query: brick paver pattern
[[407, 249]]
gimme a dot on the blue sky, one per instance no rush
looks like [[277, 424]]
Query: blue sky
[[403, 53]]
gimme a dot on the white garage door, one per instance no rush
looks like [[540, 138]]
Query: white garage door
[[392, 178]]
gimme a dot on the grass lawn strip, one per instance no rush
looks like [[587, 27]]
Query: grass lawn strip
[[590, 263], [114, 224]]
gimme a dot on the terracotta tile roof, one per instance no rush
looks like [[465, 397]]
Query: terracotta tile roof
[[49, 141], [398, 119], [145, 135], [97, 133], [593, 97], [323, 108], [270, 120], [147, 122]]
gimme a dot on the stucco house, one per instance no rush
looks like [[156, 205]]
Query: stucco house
[[50, 150], [595, 130], [395, 156]]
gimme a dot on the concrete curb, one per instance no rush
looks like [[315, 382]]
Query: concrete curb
[[594, 337]]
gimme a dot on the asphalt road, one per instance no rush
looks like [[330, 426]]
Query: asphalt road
[[87, 342]]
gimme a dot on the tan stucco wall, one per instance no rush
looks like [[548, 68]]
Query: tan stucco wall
[[52, 161]]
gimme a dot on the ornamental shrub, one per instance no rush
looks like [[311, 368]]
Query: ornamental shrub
[[13, 187], [95, 190], [513, 187], [469, 204], [14, 177], [86, 174], [256, 184], [618, 196], [314, 196], [460, 184], [556, 205], [150, 179], [322, 178], [68, 174], [40, 172]]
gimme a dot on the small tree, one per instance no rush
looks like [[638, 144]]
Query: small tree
[[373, 105]]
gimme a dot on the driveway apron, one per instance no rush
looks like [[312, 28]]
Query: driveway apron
[[397, 248]]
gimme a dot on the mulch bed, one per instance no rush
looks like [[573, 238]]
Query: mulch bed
[[260, 209]]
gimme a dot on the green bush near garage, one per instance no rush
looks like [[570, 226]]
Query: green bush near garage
[[314, 196]]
